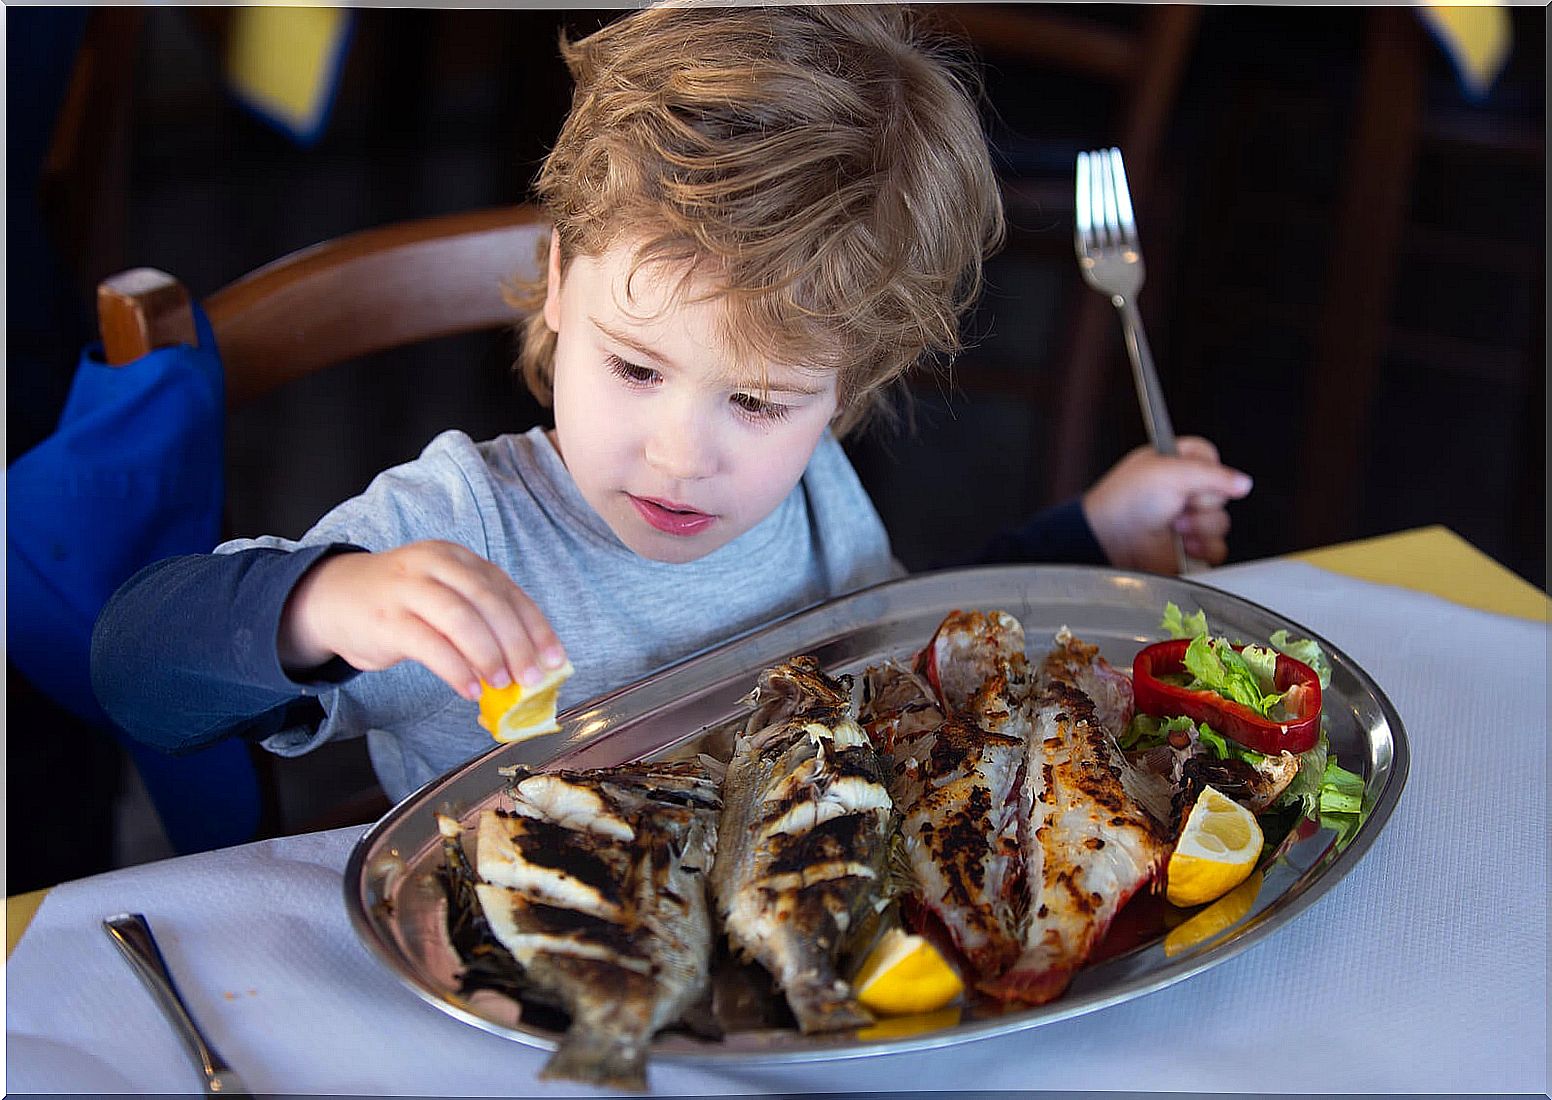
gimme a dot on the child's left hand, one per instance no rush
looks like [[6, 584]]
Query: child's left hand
[[1146, 498]]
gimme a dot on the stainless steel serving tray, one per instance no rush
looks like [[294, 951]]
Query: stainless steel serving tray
[[398, 908]]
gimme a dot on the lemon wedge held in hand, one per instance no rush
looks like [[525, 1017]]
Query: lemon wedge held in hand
[[905, 975], [1217, 850], [516, 712]]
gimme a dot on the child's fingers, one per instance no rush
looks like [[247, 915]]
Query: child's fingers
[[1211, 485], [1195, 446], [452, 615], [1209, 524], [523, 639], [1211, 549], [419, 641], [527, 641], [545, 641]]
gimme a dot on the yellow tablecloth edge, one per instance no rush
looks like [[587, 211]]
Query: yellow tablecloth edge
[[19, 911], [1438, 561]]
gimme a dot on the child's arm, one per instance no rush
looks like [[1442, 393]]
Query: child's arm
[[197, 648], [193, 649], [183, 653], [433, 602], [1146, 498]]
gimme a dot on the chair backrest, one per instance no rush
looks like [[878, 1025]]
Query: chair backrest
[[380, 288]]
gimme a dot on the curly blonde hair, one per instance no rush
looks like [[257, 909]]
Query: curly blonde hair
[[823, 166]]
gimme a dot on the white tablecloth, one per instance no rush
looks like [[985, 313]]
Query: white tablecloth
[[1424, 969]]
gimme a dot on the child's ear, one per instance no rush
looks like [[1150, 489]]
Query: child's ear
[[552, 286]]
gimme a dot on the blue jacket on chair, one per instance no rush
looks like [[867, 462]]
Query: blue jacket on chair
[[133, 473]]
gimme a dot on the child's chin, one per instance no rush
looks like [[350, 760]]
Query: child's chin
[[673, 549]]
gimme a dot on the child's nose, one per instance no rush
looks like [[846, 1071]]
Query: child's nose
[[679, 449]]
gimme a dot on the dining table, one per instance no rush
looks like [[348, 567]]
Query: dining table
[[1422, 970]]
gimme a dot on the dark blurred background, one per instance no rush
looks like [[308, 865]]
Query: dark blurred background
[[1346, 269]]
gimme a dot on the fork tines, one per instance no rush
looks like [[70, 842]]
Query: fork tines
[[1103, 200]]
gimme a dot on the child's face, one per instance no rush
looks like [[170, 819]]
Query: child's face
[[668, 436]]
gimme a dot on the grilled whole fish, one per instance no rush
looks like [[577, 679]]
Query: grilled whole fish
[[804, 840], [956, 782], [595, 882], [1089, 845]]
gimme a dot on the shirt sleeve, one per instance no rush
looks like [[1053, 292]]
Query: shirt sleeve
[[184, 653], [1060, 533]]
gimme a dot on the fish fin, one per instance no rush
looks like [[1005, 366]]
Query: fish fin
[[899, 877], [596, 1058], [820, 1011], [717, 769]]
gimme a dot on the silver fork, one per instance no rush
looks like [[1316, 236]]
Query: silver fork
[[1110, 258], [132, 935]]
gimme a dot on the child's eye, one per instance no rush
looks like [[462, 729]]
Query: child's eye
[[755, 409], [630, 372]]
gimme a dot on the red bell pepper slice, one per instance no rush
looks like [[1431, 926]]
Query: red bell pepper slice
[[1166, 700]]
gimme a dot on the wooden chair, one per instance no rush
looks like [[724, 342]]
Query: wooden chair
[[340, 300], [1141, 57], [335, 302]]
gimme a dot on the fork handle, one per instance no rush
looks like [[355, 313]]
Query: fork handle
[[1155, 413], [132, 935]]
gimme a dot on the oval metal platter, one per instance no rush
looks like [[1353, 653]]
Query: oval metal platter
[[398, 906]]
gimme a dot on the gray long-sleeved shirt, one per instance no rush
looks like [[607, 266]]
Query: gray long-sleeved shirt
[[512, 501]]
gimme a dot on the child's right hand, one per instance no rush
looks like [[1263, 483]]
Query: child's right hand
[[1137, 507], [434, 602]]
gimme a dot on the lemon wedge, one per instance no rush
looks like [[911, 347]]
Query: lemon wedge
[[903, 1027], [1218, 917], [1217, 850], [904, 975], [516, 713]]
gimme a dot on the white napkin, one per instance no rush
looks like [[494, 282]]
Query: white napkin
[[1425, 969]]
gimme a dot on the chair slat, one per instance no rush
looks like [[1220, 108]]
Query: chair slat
[[380, 288]]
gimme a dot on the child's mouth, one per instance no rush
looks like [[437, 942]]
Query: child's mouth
[[671, 517]]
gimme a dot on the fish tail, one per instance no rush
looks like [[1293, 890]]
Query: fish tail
[[596, 1058], [1032, 980], [819, 1009]]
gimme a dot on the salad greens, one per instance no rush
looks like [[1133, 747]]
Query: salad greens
[[1245, 677], [1322, 789]]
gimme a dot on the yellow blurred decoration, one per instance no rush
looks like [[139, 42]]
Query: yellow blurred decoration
[[1477, 38], [284, 63]]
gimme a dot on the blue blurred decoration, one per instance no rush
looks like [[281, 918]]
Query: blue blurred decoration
[[132, 473]]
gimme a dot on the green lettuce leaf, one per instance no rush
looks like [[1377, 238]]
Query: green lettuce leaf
[[1306, 650], [1341, 791], [1226, 749], [1145, 731], [1327, 792], [1177, 625], [1217, 667], [1263, 662], [1305, 788]]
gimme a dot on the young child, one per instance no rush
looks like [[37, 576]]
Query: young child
[[762, 217]]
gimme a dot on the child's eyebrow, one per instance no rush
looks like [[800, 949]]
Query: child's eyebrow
[[774, 385], [631, 342]]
